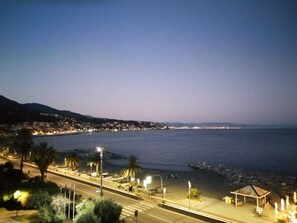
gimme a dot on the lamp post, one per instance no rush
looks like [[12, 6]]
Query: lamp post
[[149, 180], [99, 149], [189, 184], [17, 195]]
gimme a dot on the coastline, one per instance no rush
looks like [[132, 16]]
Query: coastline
[[210, 184], [213, 181]]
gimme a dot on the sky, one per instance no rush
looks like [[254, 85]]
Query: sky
[[177, 61]]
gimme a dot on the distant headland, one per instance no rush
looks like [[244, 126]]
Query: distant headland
[[44, 120]]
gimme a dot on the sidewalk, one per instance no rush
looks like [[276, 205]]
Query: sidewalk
[[10, 216], [228, 211]]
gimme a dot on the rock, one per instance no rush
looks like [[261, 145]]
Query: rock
[[244, 177]]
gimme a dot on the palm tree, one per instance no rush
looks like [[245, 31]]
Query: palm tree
[[131, 169], [43, 156], [91, 164], [23, 142], [72, 160], [95, 160]]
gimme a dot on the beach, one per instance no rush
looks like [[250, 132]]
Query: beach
[[209, 183]]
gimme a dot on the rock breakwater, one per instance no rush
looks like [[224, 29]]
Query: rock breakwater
[[236, 177]]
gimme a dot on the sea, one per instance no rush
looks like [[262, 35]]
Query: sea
[[267, 150]]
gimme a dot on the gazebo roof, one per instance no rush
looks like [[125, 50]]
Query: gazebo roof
[[251, 191]]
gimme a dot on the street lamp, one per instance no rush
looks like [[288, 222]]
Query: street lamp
[[189, 184], [17, 195], [65, 162], [149, 180], [144, 184], [99, 149]]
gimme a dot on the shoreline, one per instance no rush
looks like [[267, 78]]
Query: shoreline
[[210, 184], [215, 181], [176, 181]]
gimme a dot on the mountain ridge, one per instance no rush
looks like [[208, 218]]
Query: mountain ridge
[[12, 112]]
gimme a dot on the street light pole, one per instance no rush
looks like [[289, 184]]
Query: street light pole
[[164, 193], [149, 179], [99, 149], [189, 184], [17, 195]]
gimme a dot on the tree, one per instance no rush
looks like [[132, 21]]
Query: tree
[[50, 209], [43, 156], [107, 211], [88, 217], [91, 164], [58, 206], [23, 142], [72, 160], [85, 212], [132, 168], [99, 211], [47, 214], [95, 160], [39, 199]]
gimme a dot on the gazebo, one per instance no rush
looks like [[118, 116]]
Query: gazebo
[[251, 191]]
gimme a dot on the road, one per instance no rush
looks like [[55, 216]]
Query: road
[[148, 211]]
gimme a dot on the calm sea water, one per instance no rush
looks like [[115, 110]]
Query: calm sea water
[[273, 150]]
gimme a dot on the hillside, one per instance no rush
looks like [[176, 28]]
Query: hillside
[[12, 112]]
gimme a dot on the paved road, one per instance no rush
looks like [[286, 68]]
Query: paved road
[[148, 211]]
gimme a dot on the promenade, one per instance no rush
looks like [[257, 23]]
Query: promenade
[[176, 191], [175, 199]]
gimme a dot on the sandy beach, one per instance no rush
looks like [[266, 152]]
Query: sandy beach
[[209, 183], [176, 182]]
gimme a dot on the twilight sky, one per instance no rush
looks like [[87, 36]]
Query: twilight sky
[[188, 61]]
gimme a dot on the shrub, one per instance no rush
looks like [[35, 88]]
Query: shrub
[[87, 217], [39, 199], [85, 209], [194, 193], [107, 210]]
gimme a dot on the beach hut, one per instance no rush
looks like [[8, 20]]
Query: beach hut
[[251, 191]]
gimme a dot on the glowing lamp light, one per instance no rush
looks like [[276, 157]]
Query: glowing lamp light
[[99, 149], [17, 194], [275, 209], [148, 179], [282, 204], [144, 184], [21, 196]]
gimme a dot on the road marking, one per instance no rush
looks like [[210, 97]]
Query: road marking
[[162, 219], [126, 212], [130, 209]]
